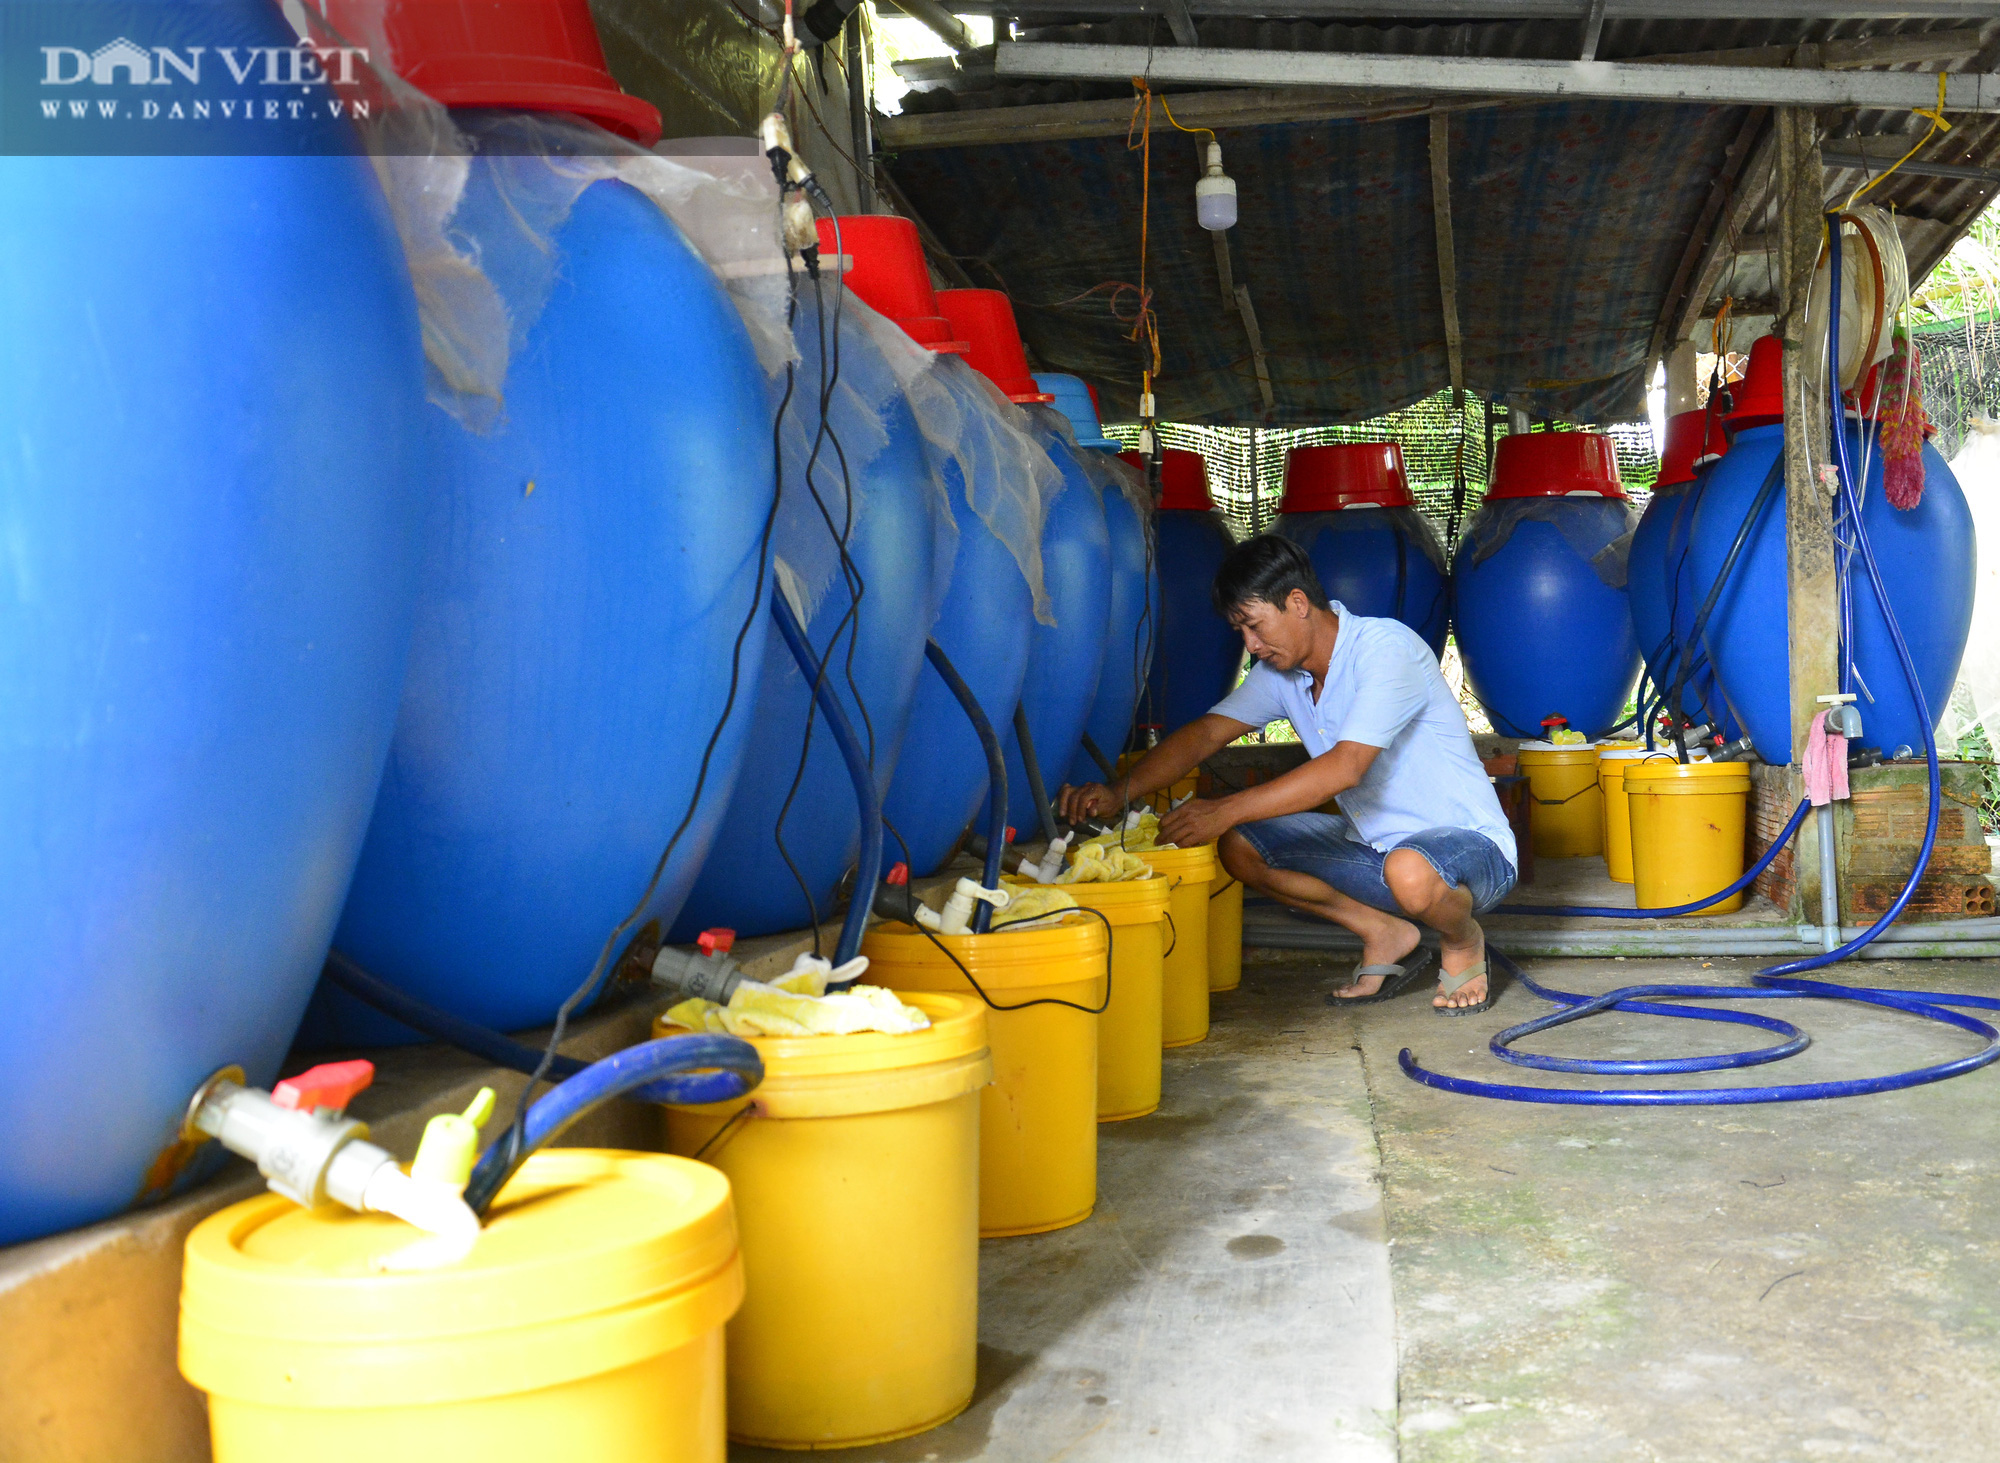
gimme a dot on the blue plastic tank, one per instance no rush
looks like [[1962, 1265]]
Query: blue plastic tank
[[1659, 583], [793, 829], [1928, 558], [982, 626], [1064, 659], [1661, 588], [1197, 657], [1349, 506], [1538, 585], [1134, 623], [588, 580], [209, 488]]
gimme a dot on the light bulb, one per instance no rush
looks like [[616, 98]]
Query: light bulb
[[1215, 194]]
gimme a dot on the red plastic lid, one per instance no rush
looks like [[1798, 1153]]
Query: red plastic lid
[[1183, 479], [1555, 465], [888, 271], [1345, 474], [517, 55], [1685, 450], [1760, 395], [986, 318]]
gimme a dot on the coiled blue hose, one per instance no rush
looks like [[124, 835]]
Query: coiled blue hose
[[1775, 982]]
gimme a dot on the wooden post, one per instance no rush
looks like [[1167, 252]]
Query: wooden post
[[1812, 595], [1447, 254]]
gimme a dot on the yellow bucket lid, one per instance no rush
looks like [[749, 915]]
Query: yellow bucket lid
[[1548, 754], [870, 1071], [1124, 901], [590, 1260], [905, 958], [1664, 774], [1185, 864]]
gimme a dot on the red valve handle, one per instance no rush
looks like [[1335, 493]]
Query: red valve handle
[[716, 942], [330, 1085], [899, 874]]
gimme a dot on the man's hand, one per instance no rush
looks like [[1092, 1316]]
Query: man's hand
[[1195, 822], [1091, 800]]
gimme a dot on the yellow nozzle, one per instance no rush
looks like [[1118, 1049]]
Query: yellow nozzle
[[451, 1143]]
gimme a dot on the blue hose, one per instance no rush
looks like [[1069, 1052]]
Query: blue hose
[[1775, 982], [699, 1069], [868, 873], [503, 1051], [996, 772]]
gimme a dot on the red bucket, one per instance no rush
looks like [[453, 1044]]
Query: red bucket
[[1555, 465], [986, 318], [1345, 475], [1183, 479], [1686, 450], [514, 55], [1760, 395], [889, 273]]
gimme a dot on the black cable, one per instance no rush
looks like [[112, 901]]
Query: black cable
[[1770, 484], [516, 1130], [1024, 740], [992, 1004]]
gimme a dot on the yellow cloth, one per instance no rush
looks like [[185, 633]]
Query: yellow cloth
[[796, 1004], [1099, 863], [1567, 736], [1032, 904], [1132, 840]]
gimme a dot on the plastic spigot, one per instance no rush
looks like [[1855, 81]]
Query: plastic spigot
[[330, 1086], [450, 1143]]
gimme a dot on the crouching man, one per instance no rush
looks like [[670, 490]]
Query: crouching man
[[1419, 835]]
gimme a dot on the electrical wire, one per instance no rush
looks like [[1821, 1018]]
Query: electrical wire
[[980, 991], [517, 1128]]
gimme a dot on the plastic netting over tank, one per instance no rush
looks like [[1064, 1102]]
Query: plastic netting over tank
[[1442, 448], [1961, 363]]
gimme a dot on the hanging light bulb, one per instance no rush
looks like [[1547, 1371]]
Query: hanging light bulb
[[1215, 194]]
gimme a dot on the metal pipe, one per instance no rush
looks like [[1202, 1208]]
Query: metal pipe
[[1036, 786], [1829, 884]]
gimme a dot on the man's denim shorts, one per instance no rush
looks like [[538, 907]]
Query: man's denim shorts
[[1319, 844]]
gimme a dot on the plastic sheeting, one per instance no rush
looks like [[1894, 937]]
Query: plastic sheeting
[[1977, 702], [478, 198], [1599, 529]]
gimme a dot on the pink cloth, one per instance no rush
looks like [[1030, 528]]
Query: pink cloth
[[1826, 764]]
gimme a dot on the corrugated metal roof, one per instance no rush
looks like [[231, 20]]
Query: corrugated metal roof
[[1352, 334]]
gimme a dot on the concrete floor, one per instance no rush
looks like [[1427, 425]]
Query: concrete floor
[[1306, 1256]]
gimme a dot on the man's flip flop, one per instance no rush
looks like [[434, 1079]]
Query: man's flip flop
[[1451, 985], [1395, 980]]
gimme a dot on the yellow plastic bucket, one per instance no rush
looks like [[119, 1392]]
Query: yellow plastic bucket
[[856, 1175], [1687, 831], [1225, 931], [1038, 1120], [1612, 764], [1567, 817], [1184, 975], [1128, 1033], [586, 1323]]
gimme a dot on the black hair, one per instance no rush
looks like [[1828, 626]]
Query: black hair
[[1269, 568]]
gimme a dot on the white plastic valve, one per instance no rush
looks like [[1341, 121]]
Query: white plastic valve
[[1215, 194], [966, 897], [1052, 860]]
